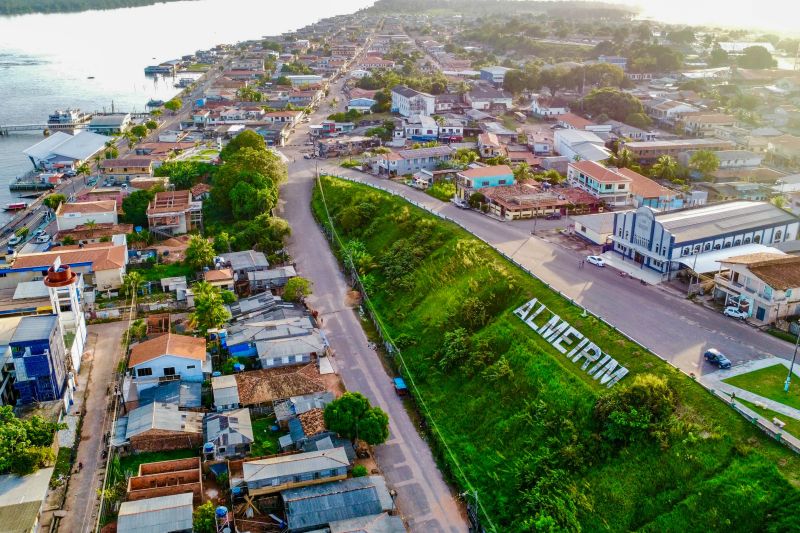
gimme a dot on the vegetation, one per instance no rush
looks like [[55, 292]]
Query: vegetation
[[135, 205], [546, 446], [184, 174], [360, 471], [199, 252], [768, 382], [704, 161], [352, 416], [265, 440], [173, 105], [613, 103], [25, 443], [19, 7], [203, 519], [296, 289], [792, 424], [443, 190], [54, 200], [209, 308], [756, 57]]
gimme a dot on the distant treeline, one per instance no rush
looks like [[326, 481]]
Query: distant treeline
[[20, 7], [568, 9]]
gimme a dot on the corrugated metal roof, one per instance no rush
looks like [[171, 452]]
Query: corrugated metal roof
[[380, 523], [21, 498], [79, 146], [294, 464], [246, 260], [235, 424], [226, 391], [274, 348], [319, 505], [180, 393], [166, 417], [156, 515]]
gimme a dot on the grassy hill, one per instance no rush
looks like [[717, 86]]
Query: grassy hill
[[522, 423]]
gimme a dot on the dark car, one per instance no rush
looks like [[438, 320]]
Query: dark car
[[553, 216], [715, 357]]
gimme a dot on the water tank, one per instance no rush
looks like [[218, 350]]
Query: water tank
[[238, 367], [222, 511], [208, 447], [236, 491], [216, 374], [137, 229]]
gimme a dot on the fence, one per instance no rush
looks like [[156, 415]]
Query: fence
[[767, 427]]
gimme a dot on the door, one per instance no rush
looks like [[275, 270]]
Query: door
[[639, 258], [760, 313]]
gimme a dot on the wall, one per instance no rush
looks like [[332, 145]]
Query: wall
[[160, 440], [71, 220], [180, 364]]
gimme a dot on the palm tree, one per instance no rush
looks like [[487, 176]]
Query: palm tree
[[131, 282], [624, 158], [665, 168], [91, 225]]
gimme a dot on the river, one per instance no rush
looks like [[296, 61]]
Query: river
[[46, 59]]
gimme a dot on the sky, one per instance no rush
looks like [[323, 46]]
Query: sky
[[781, 16]]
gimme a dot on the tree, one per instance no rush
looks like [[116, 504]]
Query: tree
[[638, 120], [718, 57], [209, 308], [68, 240], [627, 412], [174, 105], [139, 130], [665, 168], [151, 125], [131, 282], [156, 113], [246, 139], [624, 158], [84, 169], [25, 444], [54, 200], [135, 206], [612, 102], [756, 57], [352, 417], [296, 289], [704, 161], [91, 225], [203, 518], [199, 252], [553, 78]]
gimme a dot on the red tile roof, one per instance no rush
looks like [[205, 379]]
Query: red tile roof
[[485, 172], [101, 256], [599, 172], [169, 344], [574, 120]]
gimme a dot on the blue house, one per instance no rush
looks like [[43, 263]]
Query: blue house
[[363, 105], [472, 179], [37, 349]]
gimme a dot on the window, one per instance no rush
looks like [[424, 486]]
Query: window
[[141, 372], [189, 367], [608, 186], [747, 240], [778, 235], [757, 239], [169, 371], [502, 182], [707, 247], [621, 186]]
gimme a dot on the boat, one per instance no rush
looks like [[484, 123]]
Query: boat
[[89, 77], [18, 206], [155, 103], [67, 119]]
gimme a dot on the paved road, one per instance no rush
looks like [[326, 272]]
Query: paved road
[[671, 326], [96, 376], [424, 499]]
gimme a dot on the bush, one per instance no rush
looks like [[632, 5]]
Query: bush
[[360, 471], [628, 412], [476, 199]]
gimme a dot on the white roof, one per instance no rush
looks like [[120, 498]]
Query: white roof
[[577, 136], [289, 465], [80, 146], [30, 289], [706, 262], [155, 515]]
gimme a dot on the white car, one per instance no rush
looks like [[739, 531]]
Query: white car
[[15, 240], [38, 232], [595, 260], [43, 238], [735, 312]]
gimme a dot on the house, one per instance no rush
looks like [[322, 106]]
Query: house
[[244, 262], [765, 285], [126, 169], [109, 124], [472, 180], [158, 427], [297, 405], [785, 150], [573, 122], [173, 213], [154, 515], [632, 133], [580, 145], [288, 117], [544, 107], [451, 130], [165, 478], [421, 128], [95, 233], [39, 358], [489, 146], [184, 394], [221, 278], [71, 215], [525, 199], [447, 102], [167, 357], [22, 500], [226, 392], [409, 161], [485, 98], [376, 523], [304, 80], [270, 280], [275, 133], [290, 351], [362, 105], [645, 191], [230, 434], [703, 124], [241, 337], [741, 190], [102, 264], [673, 240], [276, 474], [494, 74], [619, 61], [376, 63], [343, 146], [612, 186], [407, 102], [667, 111], [648, 152], [64, 151], [315, 507], [263, 387], [596, 228]]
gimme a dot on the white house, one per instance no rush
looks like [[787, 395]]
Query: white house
[[407, 102], [169, 356], [542, 106], [69, 216], [486, 98], [580, 145]]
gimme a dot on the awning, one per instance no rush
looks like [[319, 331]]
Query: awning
[[707, 262]]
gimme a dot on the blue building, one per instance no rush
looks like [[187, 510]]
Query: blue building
[[619, 61], [37, 349], [495, 75], [471, 180]]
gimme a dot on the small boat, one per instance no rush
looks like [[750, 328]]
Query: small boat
[[18, 206], [89, 77]]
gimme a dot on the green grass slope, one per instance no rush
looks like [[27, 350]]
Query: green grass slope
[[519, 419]]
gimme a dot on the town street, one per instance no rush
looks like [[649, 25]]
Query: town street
[[96, 378], [424, 499]]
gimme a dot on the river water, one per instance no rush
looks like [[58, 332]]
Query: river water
[[46, 59]]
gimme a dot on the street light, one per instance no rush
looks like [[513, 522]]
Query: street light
[[791, 366]]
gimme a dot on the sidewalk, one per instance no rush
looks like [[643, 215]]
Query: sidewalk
[[632, 268]]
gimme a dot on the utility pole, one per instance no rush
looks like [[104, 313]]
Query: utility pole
[[791, 366]]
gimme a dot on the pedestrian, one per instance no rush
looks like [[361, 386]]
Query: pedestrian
[[80, 466]]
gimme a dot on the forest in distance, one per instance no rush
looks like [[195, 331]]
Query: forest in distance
[[22, 7]]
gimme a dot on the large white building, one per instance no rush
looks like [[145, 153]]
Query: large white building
[[673, 240], [407, 102], [70, 216], [580, 145]]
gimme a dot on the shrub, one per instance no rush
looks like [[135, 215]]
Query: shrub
[[360, 471], [628, 412]]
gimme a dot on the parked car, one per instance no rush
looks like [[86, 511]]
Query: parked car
[[15, 240], [70, 173], [38, 232], [553, 216], [308, 156], [715, 357], [460, 203], [41, 239], [735, 312], [596, 260]]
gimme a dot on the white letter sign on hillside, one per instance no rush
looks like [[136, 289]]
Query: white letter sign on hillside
[[571, 342]]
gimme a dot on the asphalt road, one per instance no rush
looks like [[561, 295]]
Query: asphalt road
[[424, 498], [669, 325]]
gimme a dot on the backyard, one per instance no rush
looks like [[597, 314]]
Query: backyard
[[156, 272], [442, 190], [130, 464], [266, 440], [768, 382]]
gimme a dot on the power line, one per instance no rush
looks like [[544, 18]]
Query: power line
[[395, 349]]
